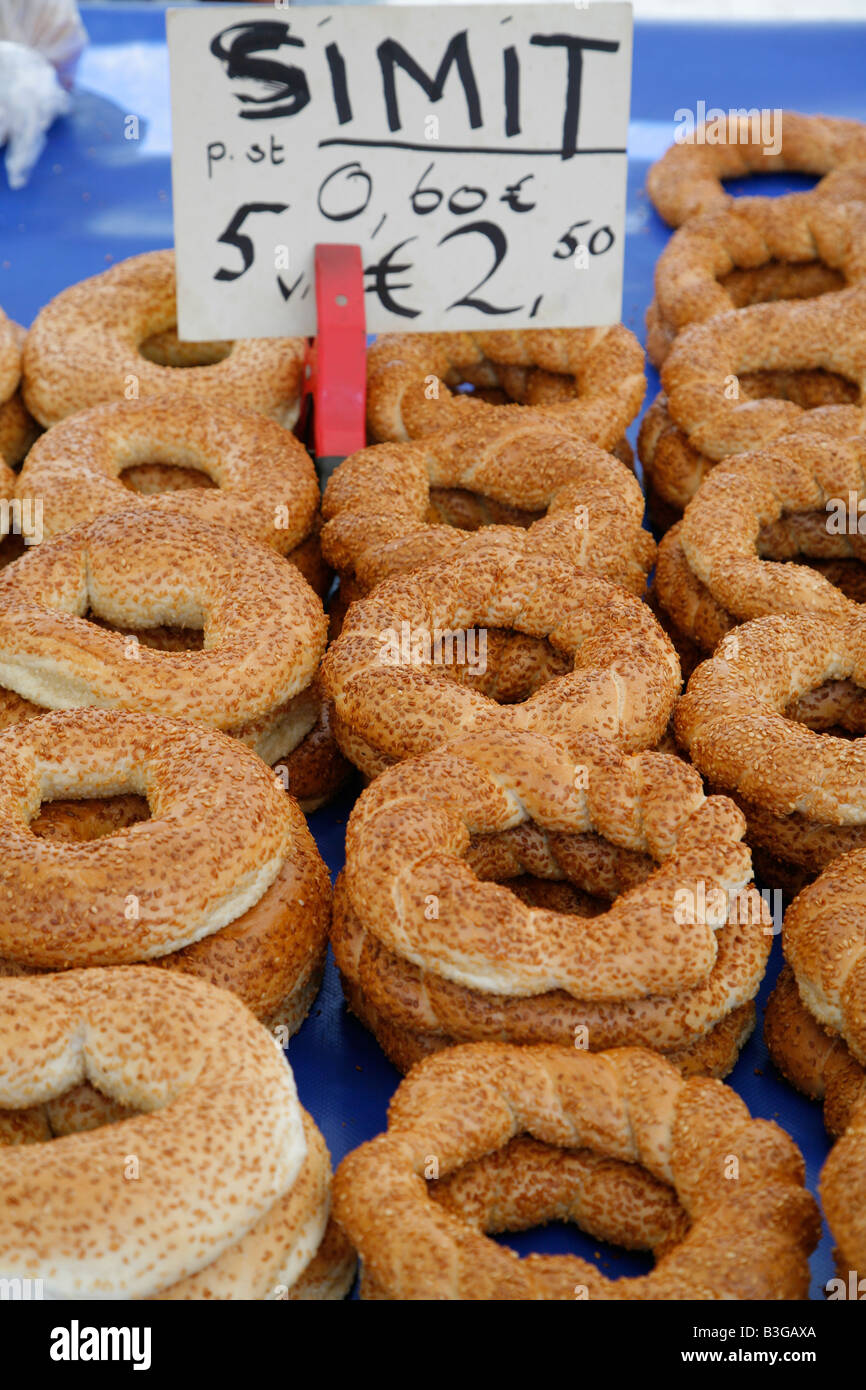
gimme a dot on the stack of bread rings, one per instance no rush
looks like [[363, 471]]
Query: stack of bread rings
[[196, 1173], [758, 310], [619, 928], [165, 582], [131, 796], [815, 1027]]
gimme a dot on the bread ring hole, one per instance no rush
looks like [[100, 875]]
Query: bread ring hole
[[152, 479], [776, 280], [836, 707], [809, 389], [77, 1111], [574, 1193], [11, 548], [74, 821], [150, 465], [498, 383], [505, 665], [579, 875], [166, 349], [166, 638], [467, 511]]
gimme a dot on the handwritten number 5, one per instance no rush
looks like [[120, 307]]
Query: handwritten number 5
[[232, 236], [497, 239]]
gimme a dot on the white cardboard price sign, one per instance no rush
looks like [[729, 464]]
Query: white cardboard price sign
[[475, 153]]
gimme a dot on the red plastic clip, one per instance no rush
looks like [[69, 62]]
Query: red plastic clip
[[339, 376]]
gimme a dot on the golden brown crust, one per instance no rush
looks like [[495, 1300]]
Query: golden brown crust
[[818, 1063], [587, 654], [674, 467], [715, 1054], [215, 807], [265, 486], [826, 334], [733, 718], [331, 1273], [10, 357], [804, 243], [741, 287], [687, 180], [424, 1003], [225, 1145], [749, 1237], [409, 377], [427, 840], [85, 348], [315, 767], [577, 500], [264, 628], [825, 946], [813, 1060]]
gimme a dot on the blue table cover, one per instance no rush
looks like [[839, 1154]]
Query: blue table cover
[[96, 197]]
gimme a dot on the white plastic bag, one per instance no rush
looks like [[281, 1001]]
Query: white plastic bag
[[52, 27], [40, 42]]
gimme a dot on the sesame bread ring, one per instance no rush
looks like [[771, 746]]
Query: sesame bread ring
[[738, 287], [732, 720], [825, 945], [263, 627], [805, 472], [109, 338], [580, 502], [593, 655], [263, 483], [430, 832], [696, 622], [799, 840], [10, 357], [296, 1233], [674, 469], [410, 377], [272, 956], [824, 239], [700, 374], [747, 1239], [216, 1132], [813, 1061], [687, 180], [408, 1002], [215, 808], [819, 1064]]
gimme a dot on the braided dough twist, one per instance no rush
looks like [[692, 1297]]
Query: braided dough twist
[[377, 504], [733, 718], [714, 569], [608, 666], [806, 244], [827, 333], [687, 180], [409, 843], [409, 376], [748, 1238]]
